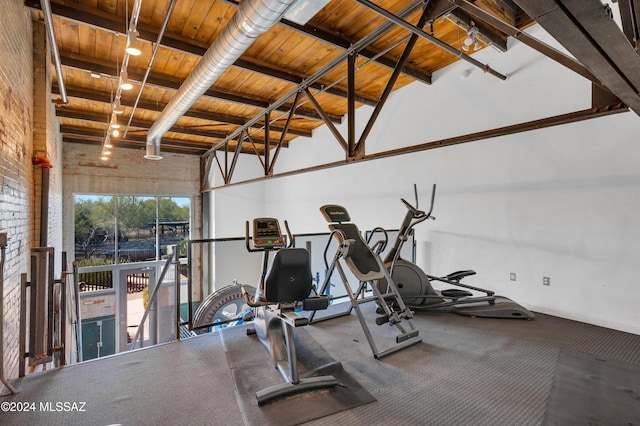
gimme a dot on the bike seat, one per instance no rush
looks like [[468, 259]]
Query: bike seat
[[458, 275]]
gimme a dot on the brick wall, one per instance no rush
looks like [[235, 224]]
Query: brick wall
[[16, 171], [25, 79]]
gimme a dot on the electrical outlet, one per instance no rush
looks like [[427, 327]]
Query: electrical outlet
[[546, 281], [512, 276]]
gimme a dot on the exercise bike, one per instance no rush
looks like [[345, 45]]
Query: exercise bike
[[415, 286], [286, 287]]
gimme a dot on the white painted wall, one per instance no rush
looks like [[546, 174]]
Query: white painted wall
[[557, 202]]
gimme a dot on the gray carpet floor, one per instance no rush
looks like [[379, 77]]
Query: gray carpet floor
[[467, 371]]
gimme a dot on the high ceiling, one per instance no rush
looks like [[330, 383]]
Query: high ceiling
[[343, 57]]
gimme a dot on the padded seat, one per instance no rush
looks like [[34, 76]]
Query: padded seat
[[290, 278]]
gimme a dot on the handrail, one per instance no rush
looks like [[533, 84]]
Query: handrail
[[152, 298]]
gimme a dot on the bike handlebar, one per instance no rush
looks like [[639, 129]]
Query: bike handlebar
[[287, 244]]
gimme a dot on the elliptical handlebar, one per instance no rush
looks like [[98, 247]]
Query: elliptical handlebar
[[421, 214]]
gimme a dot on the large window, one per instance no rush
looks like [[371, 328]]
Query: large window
[[125, 229]]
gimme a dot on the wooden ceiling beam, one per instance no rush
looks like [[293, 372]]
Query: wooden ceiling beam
[[90, 17], [145, 125], [98, 135], [335, 40], [166, 82], [123, 143], [157, 107]]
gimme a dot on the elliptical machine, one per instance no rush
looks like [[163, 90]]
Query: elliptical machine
[[415, 286], [288, 285]]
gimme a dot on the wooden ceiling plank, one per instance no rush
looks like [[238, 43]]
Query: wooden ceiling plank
[[335, 40], [104, 119], [149, 34], [196, 17], [177, 131], [291, 77], [203, 115], [127, 144], [111, 70], [98, 135]]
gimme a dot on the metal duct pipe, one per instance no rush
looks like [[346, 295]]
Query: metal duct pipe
[[253, 18], [48, 23]]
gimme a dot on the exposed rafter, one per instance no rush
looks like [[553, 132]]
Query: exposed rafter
[[157, 106], [108, 22], [167, 82]]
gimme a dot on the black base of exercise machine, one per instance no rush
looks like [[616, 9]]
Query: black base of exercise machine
[[368, 268], [415, 286]]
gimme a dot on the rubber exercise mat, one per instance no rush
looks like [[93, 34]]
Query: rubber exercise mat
[[252, 369], [593, 390]]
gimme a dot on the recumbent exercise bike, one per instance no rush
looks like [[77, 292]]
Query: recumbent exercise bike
[[287, 286]]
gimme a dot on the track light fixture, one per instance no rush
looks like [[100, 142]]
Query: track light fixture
[[124, 81], [472, 39], [133, 46], [117, 107]]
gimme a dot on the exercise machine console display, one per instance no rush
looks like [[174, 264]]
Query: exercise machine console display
[[267, 233]]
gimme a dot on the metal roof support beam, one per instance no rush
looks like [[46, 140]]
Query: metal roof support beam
[[286, 126], [332, 128], [360, 44], [525, 38], [205, 170], [339, 42], [234, 160], [351, 106], [222, 171], [360, 147], [472, 137], [588, 32], [418, 31], [630, 17], [267, 148]]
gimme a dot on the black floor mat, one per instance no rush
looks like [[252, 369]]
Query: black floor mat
[[252, 370], [592, 390]]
